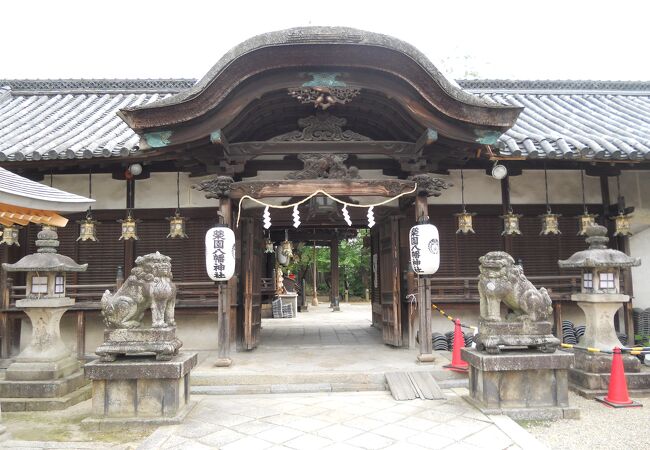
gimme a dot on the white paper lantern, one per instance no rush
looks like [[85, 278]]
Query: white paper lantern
[[220, 253], [424, 248]]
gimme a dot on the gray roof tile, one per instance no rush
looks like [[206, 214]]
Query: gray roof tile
[[74, 119]]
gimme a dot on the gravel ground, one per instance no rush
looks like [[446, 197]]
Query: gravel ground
[[599, 427]]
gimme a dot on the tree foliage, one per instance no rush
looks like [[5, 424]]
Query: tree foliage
[[354, 263]]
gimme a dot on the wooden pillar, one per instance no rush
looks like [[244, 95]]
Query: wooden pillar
[[224, 293], [334, 263], [5, 284], [314, 298], [604, 220], [424, 294], [129, 245]]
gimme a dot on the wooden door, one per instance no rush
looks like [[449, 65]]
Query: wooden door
[[389, 281], [251, 264]]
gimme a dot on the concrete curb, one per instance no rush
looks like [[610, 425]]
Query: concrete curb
[[514, 431]]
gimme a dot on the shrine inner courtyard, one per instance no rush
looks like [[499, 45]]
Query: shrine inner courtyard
[[338, 358]]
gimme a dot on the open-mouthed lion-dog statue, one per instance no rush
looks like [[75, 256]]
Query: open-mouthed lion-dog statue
[[501, 281]]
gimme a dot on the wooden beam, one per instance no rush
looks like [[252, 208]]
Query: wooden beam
[[242, 151], [289, 188]]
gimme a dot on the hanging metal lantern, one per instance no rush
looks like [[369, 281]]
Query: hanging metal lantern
[[622, 224], [268, 246], [87, 228], [129, 227], [465, 224], [511, 224], [10, 235], [586, 220], [220, 253], [464, 218], [424, 247], [550, 224], [177, 226]]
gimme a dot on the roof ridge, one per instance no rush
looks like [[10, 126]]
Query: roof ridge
[[555, 85], [109, 85]]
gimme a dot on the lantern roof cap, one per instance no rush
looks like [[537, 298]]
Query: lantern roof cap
[[46, 258], [598, 255]]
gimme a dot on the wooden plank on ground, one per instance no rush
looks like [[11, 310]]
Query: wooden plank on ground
[[426, 386], [400, 386]]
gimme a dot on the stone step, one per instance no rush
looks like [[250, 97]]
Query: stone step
[[46, 404], [292, 388], [43, 389], [221, 382]]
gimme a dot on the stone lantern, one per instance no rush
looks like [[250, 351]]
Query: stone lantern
[[600, 297], [45, 359]]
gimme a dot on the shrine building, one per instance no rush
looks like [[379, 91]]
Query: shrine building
[[367, 118]]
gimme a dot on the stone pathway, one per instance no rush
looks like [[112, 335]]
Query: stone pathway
[[360, 420]]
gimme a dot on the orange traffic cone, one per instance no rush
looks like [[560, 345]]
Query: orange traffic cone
[[457, 364], [617, 395]]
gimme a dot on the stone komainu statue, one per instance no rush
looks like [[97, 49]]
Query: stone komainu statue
[[502, 281], [529, 325], [149, 285]]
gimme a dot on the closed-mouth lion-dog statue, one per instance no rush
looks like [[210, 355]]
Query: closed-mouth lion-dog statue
[[148, 285], [501, 281]]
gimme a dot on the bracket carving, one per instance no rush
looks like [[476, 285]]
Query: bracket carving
[[430, 185], [217, 187], [324, 165]]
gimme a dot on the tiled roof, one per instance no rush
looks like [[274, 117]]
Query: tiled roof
[[593, 120], [67, 119], [602, 120]]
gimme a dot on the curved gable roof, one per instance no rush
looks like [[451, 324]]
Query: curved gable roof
[[294, 48]]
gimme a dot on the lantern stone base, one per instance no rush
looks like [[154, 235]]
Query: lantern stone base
[[131, 341], [523, 385], [49, 395], [589, 376], [139, 391], [515, 334]]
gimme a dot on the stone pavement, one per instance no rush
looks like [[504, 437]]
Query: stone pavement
[[360, 420]]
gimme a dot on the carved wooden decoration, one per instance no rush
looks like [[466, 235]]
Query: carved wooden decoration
[[324, 165], [324, 96], [321, 127], [218, 187], [430, 185]]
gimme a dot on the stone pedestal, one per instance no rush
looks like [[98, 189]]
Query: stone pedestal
[[589, 376], [535, 335], [45, 375], [130, 341], [139, 391], [524, 385]]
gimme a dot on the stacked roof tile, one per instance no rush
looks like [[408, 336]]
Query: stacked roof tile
[[67, 119]]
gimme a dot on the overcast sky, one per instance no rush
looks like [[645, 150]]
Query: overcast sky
[[523, 39]]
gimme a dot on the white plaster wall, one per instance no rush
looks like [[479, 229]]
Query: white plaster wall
[[108, 193], [640, 247], [564, 187]]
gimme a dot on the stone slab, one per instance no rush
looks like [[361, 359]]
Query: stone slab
[[514, 333], [49, 302], [602, 363], [24, 369], [517, 360], [590, 385], [141, 367], [46, 404], [600, 298], [120, 423], [540, 413], [43, 389]]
